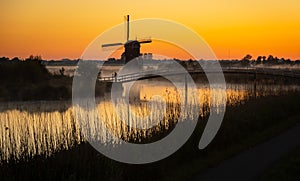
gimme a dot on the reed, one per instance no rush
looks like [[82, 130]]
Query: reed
[[43, 128]]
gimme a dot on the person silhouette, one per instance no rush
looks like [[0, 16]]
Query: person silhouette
[[115, 75]]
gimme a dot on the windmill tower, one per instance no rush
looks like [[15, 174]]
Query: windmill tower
[[132, 47]]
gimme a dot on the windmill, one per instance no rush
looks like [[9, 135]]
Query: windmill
[[132, 47]]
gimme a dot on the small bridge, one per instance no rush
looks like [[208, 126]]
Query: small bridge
[[226, 70]]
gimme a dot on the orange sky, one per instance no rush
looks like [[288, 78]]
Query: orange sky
[[63, 29]]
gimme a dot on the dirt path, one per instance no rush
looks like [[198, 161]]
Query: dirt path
[[250, 164]]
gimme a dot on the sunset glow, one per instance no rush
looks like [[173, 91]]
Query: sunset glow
[[63, 29]]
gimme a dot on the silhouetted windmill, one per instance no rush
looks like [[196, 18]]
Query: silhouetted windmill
[[132, 47]]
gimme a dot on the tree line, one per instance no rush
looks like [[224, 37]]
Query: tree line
[[268, 59], [29, 79]]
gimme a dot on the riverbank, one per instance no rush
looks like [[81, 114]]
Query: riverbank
[[244, 126], [29, 80]]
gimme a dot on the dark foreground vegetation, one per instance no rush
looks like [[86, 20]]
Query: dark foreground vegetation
[[28, 79], [243, 127]]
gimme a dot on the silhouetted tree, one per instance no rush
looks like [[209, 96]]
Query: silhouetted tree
[[15, 59], [247, 58], [270, 58], [29, 71], [259, 58], [4, 59], [36, 58], [28, 80]]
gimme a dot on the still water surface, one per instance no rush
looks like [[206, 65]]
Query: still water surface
[[45, 127]]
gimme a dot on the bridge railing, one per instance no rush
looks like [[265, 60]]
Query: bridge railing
[[260, 70]]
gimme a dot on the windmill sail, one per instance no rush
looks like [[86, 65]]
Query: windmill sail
[[145, 40], [127, 21], [111, 44]]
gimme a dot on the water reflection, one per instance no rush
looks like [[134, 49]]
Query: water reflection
[[24, 134], [43, 128]]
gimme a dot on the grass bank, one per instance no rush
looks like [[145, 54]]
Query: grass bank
[[243, 127]]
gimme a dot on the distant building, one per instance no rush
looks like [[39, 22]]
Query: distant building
[[147, 56]]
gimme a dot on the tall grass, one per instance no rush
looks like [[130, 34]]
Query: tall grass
[[24, 134], [29, 129]]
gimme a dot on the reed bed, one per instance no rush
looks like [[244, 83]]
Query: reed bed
[[43, 128]]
